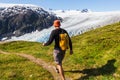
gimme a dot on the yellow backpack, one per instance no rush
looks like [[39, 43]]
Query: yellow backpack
[[64, 41]]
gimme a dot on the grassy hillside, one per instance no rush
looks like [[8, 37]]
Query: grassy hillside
[[96, 54], [13, 67]]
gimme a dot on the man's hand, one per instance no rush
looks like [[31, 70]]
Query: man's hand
[[43, 44], [71, 52]]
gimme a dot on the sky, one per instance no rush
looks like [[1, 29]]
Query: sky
[[94, 5]]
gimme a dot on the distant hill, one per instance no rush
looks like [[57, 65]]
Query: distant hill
[[16, 20]]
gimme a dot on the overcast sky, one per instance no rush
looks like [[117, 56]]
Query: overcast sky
[[94, 5]]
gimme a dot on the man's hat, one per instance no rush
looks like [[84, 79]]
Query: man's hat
[[56, 23]]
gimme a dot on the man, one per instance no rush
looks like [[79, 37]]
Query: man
[[58, 52]]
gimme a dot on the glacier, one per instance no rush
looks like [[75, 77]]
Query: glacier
[[75, 22]]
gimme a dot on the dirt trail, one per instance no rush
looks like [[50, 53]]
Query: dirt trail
[[4, 52], [40, 62]]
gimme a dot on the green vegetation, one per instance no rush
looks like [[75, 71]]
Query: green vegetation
[[96, 54], [13, 67], [33, 48]]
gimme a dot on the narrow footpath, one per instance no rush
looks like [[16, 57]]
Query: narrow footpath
[[40, 62]]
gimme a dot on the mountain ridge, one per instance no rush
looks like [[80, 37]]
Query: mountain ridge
[[75, 22], [18, 20]]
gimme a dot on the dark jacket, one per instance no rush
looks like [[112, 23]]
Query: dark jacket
[[54, 36]]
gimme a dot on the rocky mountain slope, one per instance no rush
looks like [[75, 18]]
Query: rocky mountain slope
[[18, 20]]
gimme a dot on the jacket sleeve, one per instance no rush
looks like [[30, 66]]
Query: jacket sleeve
[[51, 38]]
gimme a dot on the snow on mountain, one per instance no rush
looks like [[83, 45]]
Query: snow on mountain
[[20, 8], [75, 23], [5, 5]]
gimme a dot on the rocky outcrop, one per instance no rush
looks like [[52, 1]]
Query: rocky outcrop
[[19, 20]]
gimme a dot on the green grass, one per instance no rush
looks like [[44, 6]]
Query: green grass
[[13, 67], [96, 54], [33, 48]]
